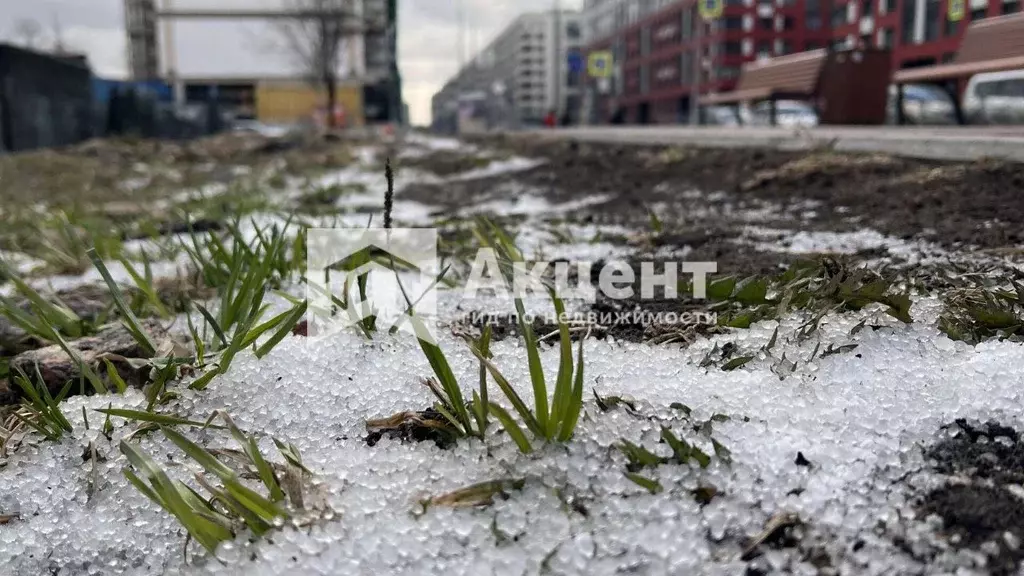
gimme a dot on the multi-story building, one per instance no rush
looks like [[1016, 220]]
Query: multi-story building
[[140, 25], [654, 43], [533, 66]]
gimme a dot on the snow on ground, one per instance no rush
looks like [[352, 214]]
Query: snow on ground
[[809, 242], [843, 413], [860, 418], [498, 167]]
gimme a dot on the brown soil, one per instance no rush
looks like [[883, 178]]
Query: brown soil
[[974, 203]]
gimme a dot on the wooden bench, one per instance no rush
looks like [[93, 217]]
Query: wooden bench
[[990, 45], [846, 87]]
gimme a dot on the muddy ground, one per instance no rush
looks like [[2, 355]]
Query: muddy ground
[[953, 204]]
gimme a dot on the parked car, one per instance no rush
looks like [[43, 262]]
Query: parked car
[[995, 98], [924, 104], [788, 113], [724, 115]]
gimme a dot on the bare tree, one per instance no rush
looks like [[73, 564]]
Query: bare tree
[[27, 31], [316, 38]]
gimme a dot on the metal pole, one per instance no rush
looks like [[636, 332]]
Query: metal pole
[[558, 59], [697, 55]]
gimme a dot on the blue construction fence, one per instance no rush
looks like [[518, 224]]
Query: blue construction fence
[[48, 101]]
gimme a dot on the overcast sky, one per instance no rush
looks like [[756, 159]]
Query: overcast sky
[[428, 38]]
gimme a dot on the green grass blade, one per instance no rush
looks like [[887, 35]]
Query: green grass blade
[[563, 383], [131, 322], [443, 371], [266, 473], [652, 486], [287, 324], [84, 368], [483, 401], [540, 390], [512, 427], [572, 412], [163, 419], [513, 396], [196, 452], [115, 377], [214, 325], [146, 287]]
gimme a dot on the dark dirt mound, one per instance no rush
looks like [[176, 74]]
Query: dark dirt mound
[[979, 508]]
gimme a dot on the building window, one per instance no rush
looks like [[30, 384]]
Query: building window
[[785, 47], [948, 57], [932, 19], [838, 14], [885, 38], [733, 23], [764, 49], [812, 45], [765, 23], [979, 14], [812, 14], [732, 49], [1011, 6], [572, 30], [907, 23]]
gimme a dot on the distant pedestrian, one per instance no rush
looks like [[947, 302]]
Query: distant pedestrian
[[551, 120]]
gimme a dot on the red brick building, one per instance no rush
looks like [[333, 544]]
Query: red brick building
[[653, 54]]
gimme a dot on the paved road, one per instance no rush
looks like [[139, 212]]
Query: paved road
[[946, 143]]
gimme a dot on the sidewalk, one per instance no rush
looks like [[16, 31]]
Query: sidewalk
[[941, 143]]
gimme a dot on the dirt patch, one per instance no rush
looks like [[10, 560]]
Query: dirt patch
[[950, 203], [989, 519], [982, 503], [445, 163], [989, 451]]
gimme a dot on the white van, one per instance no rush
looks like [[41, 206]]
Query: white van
[[995, 98]]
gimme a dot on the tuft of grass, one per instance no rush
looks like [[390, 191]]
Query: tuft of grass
[[977, 314], [44, 316], [230, 504], [555, 421], [130, 321], [41, 411], [816, 287]]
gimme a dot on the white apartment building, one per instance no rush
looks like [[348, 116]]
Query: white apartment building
[[532, 67]]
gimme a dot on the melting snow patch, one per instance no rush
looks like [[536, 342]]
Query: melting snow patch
[[802, 242], [498, 167]]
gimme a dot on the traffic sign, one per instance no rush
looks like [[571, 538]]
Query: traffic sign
[[711, 9], [957, 10], [575, 62], [599, 64]]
